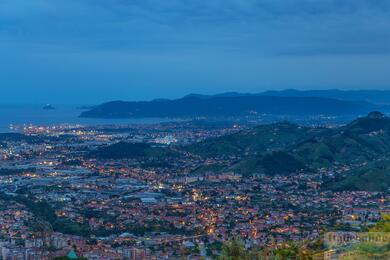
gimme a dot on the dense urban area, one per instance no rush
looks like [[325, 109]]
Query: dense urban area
[[188, 189], [194, 130]]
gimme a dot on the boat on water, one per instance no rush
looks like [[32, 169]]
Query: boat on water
[[48, 107]]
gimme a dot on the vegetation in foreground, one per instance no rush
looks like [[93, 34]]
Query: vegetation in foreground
[[236, 250]]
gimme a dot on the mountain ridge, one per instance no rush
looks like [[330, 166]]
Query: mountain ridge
[[226, 106], [372, 96]]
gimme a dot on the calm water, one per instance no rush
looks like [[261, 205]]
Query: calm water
[[63, 114]]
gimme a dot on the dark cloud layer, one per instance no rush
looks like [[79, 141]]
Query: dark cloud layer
[[138, 49]]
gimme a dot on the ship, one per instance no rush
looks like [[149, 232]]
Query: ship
[[48, 107]]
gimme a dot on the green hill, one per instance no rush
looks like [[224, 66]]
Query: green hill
[[280, 148], [277, 162], [372, 177], [374, 121], [261, 139], [124, 150], [284, 148], [364, 139]]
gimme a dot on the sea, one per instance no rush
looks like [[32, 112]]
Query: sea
[[24, 115]]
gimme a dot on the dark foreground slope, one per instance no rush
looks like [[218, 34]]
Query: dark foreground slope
[[217, 106]]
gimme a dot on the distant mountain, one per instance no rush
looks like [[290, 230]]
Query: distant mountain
[[224, 106], [371, 96]]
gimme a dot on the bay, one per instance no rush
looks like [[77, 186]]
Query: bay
[[62, 114]]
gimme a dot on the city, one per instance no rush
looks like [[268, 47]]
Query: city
[[58, 196], [194, 129]]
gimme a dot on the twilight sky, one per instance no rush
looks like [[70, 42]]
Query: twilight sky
[[91, 51]]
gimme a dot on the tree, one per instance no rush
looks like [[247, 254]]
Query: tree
[[234, 250], [383, 225]]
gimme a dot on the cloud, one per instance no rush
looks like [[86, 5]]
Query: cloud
[[265, 26], [184, 44]]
